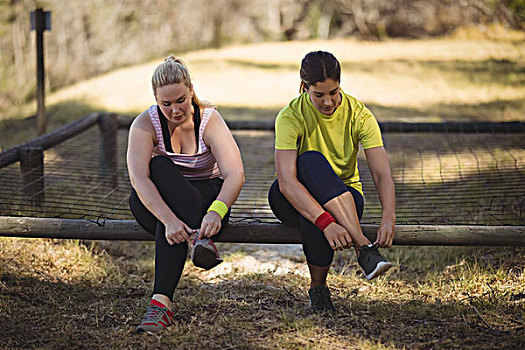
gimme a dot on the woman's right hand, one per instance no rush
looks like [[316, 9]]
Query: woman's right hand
[[337, 236], [177, 232]]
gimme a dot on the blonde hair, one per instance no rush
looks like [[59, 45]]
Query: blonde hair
[[174, 71]]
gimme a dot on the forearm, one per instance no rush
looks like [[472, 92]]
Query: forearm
[[301, 200], [387, 197], [231, 188], [152, 200]]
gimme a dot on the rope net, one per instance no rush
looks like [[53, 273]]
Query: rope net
[[448, 178]]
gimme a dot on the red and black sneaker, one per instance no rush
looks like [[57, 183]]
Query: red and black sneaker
[[157, 318], [204, 254]]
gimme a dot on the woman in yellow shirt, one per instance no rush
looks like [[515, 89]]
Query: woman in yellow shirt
[[317, 188]]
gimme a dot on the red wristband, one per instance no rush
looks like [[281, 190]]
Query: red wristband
[[324, 220]]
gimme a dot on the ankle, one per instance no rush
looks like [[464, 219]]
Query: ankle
[[163, 299], [361, 242], [314, 284], [358, 247], [318, 275]]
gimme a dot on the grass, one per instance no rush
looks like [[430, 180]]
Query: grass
[[64, 294]]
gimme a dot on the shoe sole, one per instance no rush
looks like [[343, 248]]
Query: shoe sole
[[204, 258], [148, 330], [381, 268], [311, 310]]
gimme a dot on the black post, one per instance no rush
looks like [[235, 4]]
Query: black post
[[40, 21], [32, 169], [107, 123]]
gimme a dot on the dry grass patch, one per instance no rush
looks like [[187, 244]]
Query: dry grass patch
[[440, 298]]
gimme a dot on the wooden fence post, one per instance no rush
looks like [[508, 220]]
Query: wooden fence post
[[32, 169], [107, 123], [40, 22]]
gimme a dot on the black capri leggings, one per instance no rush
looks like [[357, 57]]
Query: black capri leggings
[[316, 174], [189, 200]]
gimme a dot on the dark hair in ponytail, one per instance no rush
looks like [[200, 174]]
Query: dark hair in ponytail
[[318, 66]]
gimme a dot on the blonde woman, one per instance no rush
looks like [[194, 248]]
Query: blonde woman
[[186, 172]]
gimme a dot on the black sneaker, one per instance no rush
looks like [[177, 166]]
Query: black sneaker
[[320, 300], [204, 254], [372, 262]]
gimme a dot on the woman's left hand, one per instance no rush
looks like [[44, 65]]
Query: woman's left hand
[[385, 234], [211, 224]]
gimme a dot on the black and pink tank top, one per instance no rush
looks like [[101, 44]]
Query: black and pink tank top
[[199, 166]]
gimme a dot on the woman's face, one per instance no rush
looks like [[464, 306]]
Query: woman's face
[[175, 102], [325, 96]]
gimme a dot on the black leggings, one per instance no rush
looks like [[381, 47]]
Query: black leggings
[[189, 200], [316, 174]]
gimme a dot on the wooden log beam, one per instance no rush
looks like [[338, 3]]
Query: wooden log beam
[[244, 232]]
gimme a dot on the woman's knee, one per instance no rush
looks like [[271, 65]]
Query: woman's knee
[[317, 175], [281, 207], [160, 164], [320, 255], [311, 158], [141, 214], [163, 172], [313, 166]]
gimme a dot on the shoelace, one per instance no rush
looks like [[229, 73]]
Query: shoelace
[[321, 297], [153, 313], [315, 300], [370, 249], [214, 248]]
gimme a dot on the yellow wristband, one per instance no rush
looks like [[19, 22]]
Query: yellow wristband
[[219, 207]]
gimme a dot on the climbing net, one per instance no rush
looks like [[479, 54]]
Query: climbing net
[[451, 177]]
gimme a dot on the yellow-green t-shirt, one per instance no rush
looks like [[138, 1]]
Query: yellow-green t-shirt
[[300, 126]]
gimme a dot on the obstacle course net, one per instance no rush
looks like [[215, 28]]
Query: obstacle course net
[[460, 178]]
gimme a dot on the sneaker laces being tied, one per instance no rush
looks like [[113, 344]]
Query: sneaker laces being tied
[[371, 249]]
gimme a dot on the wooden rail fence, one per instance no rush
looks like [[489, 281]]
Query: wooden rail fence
[[30, 155], [253, 232]]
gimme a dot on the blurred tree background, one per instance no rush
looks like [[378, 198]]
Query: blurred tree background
[[92, 37]]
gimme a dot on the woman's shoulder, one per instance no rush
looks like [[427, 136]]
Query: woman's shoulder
[[356, 108], [143, 121], [209, 111], [211, 121], [294, 108], [352, 101], [298, 102]]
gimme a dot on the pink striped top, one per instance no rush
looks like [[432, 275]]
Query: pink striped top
[[199, 166]]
